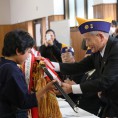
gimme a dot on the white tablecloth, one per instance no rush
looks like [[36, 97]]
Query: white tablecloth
[[67, 111]]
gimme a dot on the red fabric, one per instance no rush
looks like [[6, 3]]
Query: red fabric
[[53, 72], [31, 81], [34, 110]]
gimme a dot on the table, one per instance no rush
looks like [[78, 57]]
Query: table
[[67, 111]]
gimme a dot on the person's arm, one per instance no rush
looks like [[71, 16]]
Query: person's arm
[[16, 92], [75, 68], [78, 67], [75, 89], [56, 52], [15, 89], [42, 50]]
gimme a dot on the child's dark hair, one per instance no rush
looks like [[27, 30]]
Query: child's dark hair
[[17, 39]]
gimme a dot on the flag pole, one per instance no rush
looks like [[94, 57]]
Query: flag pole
[[69, 100]]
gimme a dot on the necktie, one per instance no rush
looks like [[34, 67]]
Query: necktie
[[100, 59]]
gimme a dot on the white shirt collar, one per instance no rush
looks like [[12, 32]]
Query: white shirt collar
[[103, 50]]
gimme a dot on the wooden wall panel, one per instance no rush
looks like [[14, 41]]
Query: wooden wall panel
[[6, 28], [30, 28], [98, 11], [20, 26], [105, 11], [3, 30], [43, 24], [76, 41]]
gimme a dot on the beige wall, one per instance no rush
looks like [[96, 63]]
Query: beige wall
[[17, 11], [5, 17]]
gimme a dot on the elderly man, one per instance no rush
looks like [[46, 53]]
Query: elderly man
[[96, 35]]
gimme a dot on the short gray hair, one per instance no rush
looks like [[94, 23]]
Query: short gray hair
[[96, 32]]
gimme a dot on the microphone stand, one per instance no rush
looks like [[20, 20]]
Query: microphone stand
[[69, 100]]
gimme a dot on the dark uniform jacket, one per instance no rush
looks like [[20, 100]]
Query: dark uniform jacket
[[87, 101], [74, 97], [52, 52], [107, 71], [13, 90]]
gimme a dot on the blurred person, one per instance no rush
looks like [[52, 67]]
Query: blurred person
[[113, 27], [116, 33], [67, 55], [51, 48]]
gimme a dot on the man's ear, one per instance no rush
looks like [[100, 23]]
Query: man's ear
[[101, 36]]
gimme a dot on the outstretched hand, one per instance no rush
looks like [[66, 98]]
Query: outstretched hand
[[49, 86], [66, 87], [68, 81]]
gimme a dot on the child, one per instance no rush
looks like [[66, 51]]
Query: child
[[13, 89]]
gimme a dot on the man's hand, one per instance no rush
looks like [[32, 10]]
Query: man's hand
[[66, 87], [68, 81]]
